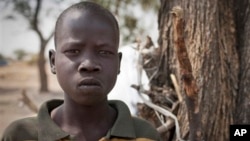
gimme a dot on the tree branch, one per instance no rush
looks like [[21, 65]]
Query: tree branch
[[48, 39], [34, 22]]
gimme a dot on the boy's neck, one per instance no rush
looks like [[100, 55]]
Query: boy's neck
[[79, 119], [87, 114]]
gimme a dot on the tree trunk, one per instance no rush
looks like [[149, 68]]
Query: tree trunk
[[210, 37], [242, 112], [42, 68], [43, 44]]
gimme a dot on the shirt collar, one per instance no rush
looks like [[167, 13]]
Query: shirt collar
[[123, 126], [49, 130]]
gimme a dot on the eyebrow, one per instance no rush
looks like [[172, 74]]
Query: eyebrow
[[72, 44], [80, 43]]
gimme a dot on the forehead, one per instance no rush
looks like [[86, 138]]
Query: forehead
[[87, 22], [86, 19]]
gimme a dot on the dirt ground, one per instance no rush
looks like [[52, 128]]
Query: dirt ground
[[14, 78]]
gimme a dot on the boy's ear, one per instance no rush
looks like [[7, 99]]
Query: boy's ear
[[120, 58], [52, 54]]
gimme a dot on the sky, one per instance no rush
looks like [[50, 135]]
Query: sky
[[16, 34]]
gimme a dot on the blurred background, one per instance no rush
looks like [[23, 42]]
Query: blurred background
[[26, 35]]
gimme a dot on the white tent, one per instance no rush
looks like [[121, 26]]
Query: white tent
[[128, 76]]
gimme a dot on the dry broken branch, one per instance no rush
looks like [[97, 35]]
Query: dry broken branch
[[189, 83], [27, 101], [176, 86], [165, 113], [154, 106]]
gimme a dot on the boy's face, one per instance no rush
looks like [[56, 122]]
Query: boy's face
[[86, 60]]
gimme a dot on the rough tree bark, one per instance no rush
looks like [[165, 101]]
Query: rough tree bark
[[242, 14], [189, 84], [211, 29]]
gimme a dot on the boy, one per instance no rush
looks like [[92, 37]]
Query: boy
[[86, 62]]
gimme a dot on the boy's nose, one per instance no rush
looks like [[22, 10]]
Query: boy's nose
[[88, 66]]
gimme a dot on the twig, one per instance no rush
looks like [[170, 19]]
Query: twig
[[164, 112], [186, 75], [176, 86], [159, 117], [166, 126]]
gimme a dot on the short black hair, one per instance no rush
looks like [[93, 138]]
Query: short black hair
[[90, 7]]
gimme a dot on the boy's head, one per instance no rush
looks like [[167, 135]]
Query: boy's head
[[90, 7], [86, 60]]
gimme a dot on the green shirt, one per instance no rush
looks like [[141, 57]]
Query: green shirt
[[43, 128]]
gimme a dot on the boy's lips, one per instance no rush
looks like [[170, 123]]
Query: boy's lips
[[89, 82]]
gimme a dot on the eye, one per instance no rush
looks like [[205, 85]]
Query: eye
[[105, 52], [72, 51]]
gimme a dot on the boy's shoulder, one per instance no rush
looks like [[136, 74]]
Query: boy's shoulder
[[145, 129], [37, 127], [22, 129], [129, 126]]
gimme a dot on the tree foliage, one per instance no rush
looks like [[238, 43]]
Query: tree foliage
[[20, 54], [125, 11]]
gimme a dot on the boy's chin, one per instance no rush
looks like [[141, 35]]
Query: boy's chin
[[90, 99]]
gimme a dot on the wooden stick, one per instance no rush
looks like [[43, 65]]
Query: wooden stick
[[166, 126], [189, 83], [176, 86], [26, 100]]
